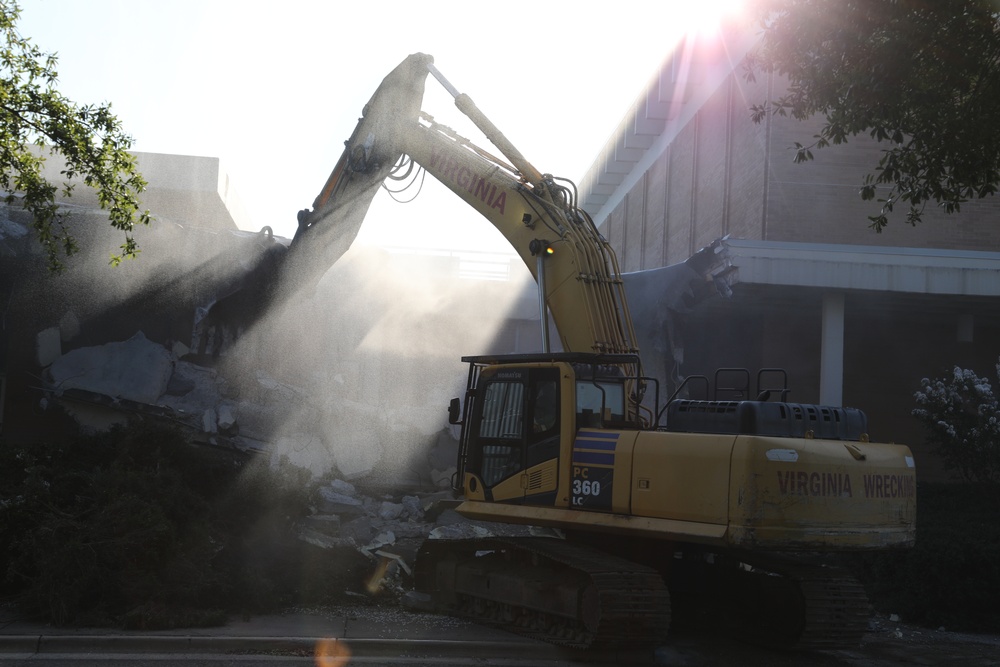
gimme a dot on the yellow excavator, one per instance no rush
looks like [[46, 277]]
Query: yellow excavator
[[700, 505]]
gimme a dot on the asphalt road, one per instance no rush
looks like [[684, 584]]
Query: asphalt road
[[389, 636]]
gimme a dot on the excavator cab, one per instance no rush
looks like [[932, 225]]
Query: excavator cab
[[513, 426], [523, 416]]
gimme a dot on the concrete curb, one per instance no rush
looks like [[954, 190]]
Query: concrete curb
[[45, 644], [516, 649]]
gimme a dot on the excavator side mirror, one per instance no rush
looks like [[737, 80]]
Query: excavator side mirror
[[455, 412]]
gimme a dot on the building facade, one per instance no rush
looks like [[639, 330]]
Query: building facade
[[855, 317]]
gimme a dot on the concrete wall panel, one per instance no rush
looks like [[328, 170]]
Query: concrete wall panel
[[635, 228], [711, 177], [680, 203], [654, 246], [747, 162]]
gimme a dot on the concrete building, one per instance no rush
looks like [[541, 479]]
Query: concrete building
[[45, 315], [856, 317]]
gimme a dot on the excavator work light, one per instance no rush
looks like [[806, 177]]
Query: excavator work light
[[539, 247]]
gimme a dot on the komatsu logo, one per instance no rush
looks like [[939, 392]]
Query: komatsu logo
[[448, 167]]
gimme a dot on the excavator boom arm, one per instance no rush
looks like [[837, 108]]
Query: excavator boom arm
[[583, 286]]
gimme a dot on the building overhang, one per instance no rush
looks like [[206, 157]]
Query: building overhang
[[870, 268]]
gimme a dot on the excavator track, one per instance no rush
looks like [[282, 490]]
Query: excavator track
[[547, 589], [802, 606]]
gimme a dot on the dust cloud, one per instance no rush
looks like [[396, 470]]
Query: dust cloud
[[376, 348], [350, 374]]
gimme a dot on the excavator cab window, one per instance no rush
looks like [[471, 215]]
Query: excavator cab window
[[545, 406], [599, 401], [501, 429], [518, 422], [543, 441]]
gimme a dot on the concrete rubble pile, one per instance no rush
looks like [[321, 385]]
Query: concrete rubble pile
[[105, 384], [389, 529]]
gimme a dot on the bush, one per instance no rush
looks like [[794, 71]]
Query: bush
[[951, 577], [138, 528], [961, 415]]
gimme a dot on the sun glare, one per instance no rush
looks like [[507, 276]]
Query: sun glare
[[704, 16]]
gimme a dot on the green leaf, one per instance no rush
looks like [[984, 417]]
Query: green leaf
[[33, 113], [921, 77]]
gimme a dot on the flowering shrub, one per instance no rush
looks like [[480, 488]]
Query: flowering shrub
[[962, 417]]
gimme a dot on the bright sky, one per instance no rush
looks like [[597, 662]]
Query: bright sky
[[274, 89]]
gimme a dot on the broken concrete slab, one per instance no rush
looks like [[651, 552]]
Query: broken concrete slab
[[192, 388], [179, 349], [334, 502], [324, 541], [395, 558], [303, 450], [226, 418], [178, 386], [384, 538], [459, 531], [407, 529], [208, 421], [412, 509], [435, 503], [136, 369], [343, 486], [390, 511]]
